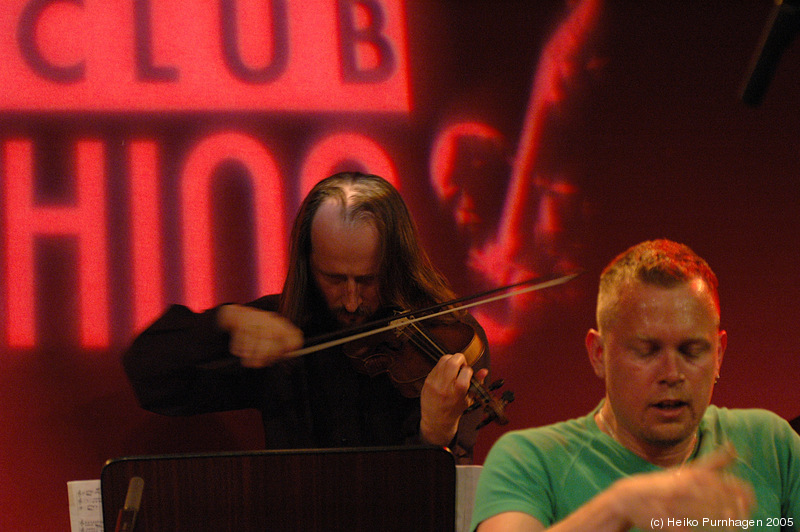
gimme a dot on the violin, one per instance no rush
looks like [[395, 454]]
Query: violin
[[408, 351]]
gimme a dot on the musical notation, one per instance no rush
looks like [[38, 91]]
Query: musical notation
[[85, 506]]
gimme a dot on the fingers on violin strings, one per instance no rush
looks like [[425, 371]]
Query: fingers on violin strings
[[463, 377], [481, 375]]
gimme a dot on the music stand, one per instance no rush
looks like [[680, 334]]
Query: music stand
[[369, 489]]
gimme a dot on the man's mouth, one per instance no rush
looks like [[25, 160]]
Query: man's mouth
[[351, 318], [670, 405]]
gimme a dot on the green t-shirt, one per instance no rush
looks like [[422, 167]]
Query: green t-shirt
[[549, 472]]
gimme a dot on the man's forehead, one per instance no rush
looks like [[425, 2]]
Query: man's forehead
[[637, 289], [331, 209], [331, 217], [635, 296], [633, 287]]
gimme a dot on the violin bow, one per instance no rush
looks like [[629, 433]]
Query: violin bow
[[406, 318]]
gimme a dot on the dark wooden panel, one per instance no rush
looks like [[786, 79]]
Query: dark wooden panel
[[310, 490]]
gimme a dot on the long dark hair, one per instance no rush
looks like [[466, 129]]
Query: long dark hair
[[408, 280]]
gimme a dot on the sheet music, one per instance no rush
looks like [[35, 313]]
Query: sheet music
[[85, 506]]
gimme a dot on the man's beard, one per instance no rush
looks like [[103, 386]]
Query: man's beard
[[346, 318]]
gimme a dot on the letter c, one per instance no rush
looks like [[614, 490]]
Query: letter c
[[26, 38]]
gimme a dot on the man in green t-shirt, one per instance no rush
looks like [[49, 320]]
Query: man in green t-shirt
[[653, 455]]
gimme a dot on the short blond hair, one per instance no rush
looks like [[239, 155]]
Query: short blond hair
[[659, 262]]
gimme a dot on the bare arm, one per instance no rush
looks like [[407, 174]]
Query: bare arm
[[511, 521]]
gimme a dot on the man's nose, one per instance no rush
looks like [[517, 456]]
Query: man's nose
[[671, 368], [352, 297]]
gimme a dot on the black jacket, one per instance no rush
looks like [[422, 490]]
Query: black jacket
[[181, 365]]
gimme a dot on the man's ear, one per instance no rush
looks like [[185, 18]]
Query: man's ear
[[596, 351], [723, 343]]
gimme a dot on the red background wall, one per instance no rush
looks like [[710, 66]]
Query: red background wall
[[638, 134]]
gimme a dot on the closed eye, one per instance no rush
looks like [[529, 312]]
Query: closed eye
[[645, 348], [366, 279], [334, 278], [695, 349]]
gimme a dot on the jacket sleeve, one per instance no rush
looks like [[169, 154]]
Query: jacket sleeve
[[180, 365]]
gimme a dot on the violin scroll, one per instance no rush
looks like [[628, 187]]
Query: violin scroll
[[493, 408]]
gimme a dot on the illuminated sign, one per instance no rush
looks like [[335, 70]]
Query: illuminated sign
[[146, 56], [201, 55], [153, 95]]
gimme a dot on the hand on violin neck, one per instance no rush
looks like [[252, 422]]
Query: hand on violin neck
[[257, 337], [444, 397]]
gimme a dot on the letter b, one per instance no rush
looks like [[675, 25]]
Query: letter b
[[367, 38]]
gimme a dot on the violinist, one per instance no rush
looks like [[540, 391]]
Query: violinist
[[354, 258]]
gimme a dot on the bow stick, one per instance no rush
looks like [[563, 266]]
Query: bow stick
[[522, 287]]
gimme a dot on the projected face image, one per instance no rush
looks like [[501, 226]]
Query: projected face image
[[469, 165], [521, 234]]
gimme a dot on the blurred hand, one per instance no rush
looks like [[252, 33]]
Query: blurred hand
[[259, 338], [702, 490]]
